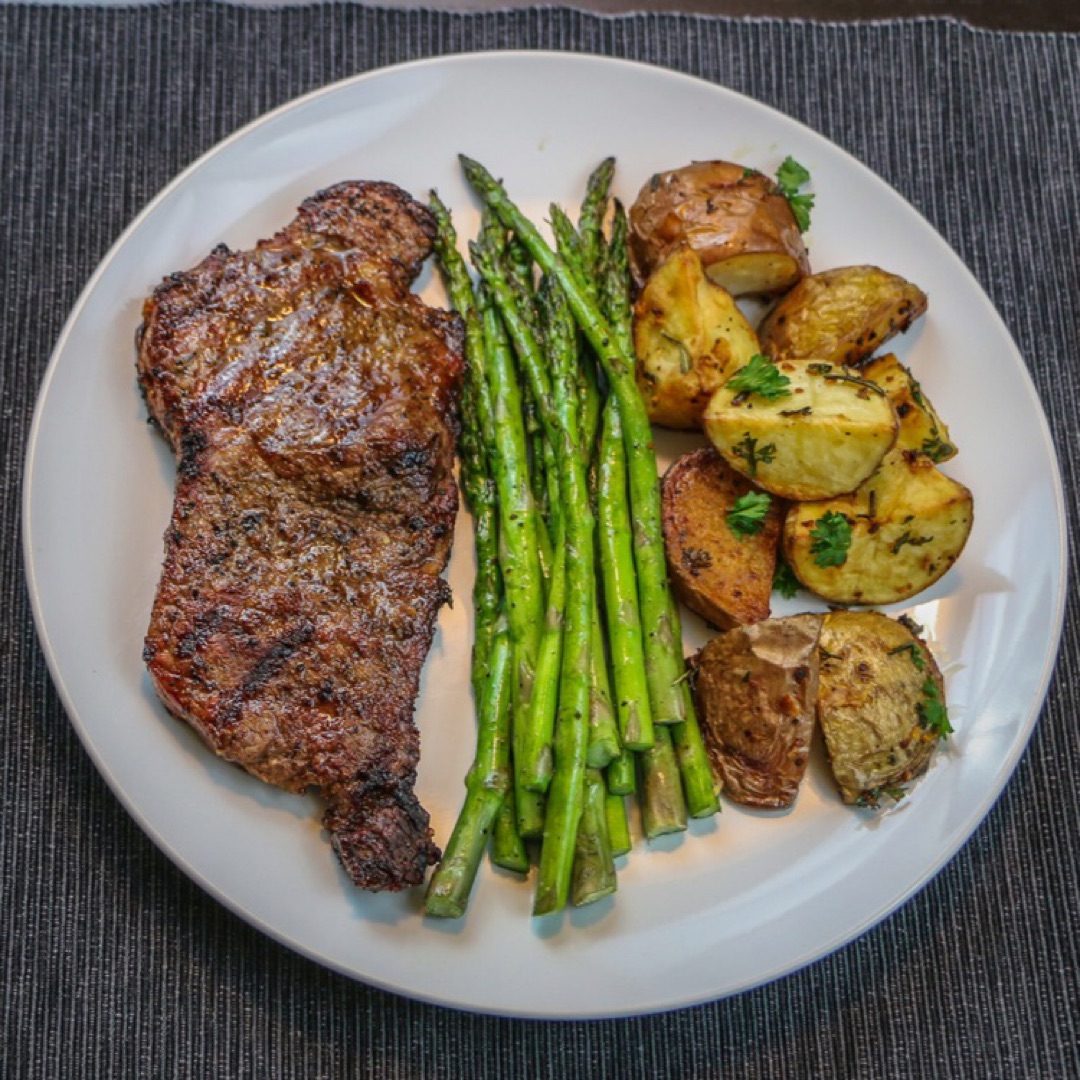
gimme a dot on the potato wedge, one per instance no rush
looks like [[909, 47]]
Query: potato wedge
[[920, 426], [908, 524], [735, 218], [880, 704], [825, 436], [755, 689], [840, 316], [687, 333], [724, 576]]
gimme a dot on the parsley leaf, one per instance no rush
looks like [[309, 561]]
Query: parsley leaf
[[933, 715], [760, 376], [752, 454], [790, 177], [830, 539], [784, 580], [747, 514]]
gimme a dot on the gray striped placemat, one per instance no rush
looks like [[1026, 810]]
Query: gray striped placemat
[[112, 964]]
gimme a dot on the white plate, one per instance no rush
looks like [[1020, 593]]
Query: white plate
[[739, 900]]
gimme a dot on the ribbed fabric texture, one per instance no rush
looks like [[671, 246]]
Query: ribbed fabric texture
[[112, 964]]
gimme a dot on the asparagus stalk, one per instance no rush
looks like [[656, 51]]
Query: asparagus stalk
[[618, 824], [620, 589], [518, 540], [594, 862], [699, 784], [663, 651], [488, 779], [507, 848], [660, 793], [604, 743], [566, 795], [622, 774], [487, 783], [593, 208]]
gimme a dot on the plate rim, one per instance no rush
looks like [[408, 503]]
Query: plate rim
[[961, 835]]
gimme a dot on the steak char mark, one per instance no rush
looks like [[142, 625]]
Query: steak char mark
[[311, 402]]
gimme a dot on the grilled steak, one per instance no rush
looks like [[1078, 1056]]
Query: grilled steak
[[311, 401]]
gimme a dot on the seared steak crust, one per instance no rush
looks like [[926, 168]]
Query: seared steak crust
[[311, 402]]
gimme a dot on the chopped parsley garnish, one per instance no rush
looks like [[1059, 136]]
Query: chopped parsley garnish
[[790, 177], [873, 797], [752, 454], [747, 514], [936, 448], [784, 580], [830, 539], [933, 715], [762, 377]]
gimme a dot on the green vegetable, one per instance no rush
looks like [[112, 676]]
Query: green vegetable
[[753, 454], [791, 176], [831, 539], [784, 580], [933, 715], [747, 514], [760, 376]]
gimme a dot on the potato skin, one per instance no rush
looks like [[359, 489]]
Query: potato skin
[[825, 438], [840, 316], [755, 689], [872, 683], [735, 218], [909, 524], [688, 333], [725, 578], [921, 428]]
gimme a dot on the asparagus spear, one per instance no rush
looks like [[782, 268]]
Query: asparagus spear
[[507, 848], [593, 208], [488, 779], [594, 863], [660, 793], [519, 543], [663, 651], [618, 825], [620, 589], [487, 782], [566, 795]]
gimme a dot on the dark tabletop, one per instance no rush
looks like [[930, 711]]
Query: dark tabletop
[[113, 964]]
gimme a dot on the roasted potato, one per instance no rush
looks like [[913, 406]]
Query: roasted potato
[[723, 574], [735, 218], [920, 426], [824, 434], [840, 316], [687, 333], [880, 704], [891, 539], [755, 689]]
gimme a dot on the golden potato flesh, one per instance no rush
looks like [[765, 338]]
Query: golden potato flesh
[[824, 436], [880, 704], [755, 689], [921, 428], [840, 316], [907, 524], [722, 572], [735, 218], [687, 333]]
